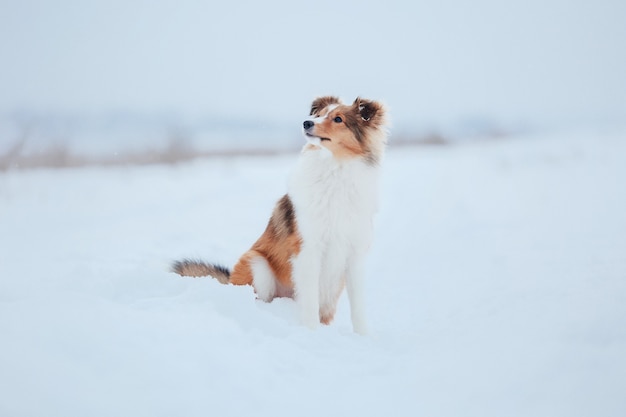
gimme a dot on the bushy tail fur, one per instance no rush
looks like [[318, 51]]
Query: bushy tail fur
[[193, 268]]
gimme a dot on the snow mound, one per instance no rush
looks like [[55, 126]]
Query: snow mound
[[496, 286]]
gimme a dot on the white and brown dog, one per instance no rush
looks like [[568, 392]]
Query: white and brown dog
[[319, 232]]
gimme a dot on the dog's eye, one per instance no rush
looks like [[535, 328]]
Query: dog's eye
[[337, 119]]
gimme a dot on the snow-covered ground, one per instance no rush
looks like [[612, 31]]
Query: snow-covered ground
[[496, 287]]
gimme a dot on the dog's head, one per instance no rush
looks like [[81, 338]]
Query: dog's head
[[347, 131]]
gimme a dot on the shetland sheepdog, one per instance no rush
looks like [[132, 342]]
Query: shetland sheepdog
[[319, 232]]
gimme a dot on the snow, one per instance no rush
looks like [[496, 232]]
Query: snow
[[496, 286]]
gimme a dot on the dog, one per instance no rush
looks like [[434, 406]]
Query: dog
[[319, 232]]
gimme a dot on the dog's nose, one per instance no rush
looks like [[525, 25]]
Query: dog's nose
[[308, 124]]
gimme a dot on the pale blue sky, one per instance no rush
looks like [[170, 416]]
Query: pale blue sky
[[538, 62]]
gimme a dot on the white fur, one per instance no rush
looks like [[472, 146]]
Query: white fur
[[263, 279], [314, 140], [335, 201]]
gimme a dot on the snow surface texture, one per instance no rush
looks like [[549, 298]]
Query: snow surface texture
[[496, 286]]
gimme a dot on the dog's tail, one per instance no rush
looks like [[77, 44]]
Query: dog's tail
[[193, 268]]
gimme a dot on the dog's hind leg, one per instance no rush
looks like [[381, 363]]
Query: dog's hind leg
[[263, 278], [253, 269]]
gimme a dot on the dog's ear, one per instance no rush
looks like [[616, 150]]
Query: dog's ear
[[322, 102], [366, 108]]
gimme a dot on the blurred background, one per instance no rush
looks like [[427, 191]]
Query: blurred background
[[148, 81]]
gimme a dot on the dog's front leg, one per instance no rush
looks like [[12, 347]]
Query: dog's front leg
[[306, 279], [355, 287]]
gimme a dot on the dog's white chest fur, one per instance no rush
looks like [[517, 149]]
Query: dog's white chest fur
[[334, 202]]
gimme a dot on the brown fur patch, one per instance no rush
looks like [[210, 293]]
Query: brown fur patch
[[278, 244], [283, 220], [242, 272], [321, 103]]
